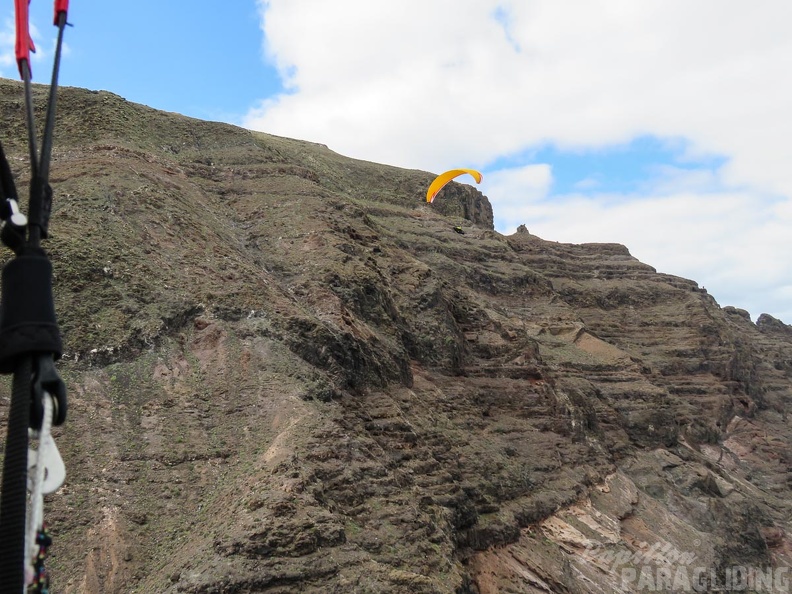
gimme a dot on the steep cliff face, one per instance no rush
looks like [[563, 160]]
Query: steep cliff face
[[288, 373]]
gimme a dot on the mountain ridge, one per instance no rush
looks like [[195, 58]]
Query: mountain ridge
[[287, 373]]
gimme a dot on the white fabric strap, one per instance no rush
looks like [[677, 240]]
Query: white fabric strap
[[46, 473]]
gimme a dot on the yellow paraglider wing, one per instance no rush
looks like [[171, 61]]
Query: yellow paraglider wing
[[442, 179]]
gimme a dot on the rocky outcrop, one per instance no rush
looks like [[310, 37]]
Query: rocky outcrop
[[288, 373]]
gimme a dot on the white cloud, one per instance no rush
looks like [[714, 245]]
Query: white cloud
[[518, 186], [380, 79], [7, 57], [39, 59], [435, 84]]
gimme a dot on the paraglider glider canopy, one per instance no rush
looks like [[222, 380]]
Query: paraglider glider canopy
[[441, 180]]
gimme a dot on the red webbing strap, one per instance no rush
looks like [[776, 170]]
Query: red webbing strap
[[24, 43], [61, 6]]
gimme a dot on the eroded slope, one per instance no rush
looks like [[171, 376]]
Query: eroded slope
[[288, 374]]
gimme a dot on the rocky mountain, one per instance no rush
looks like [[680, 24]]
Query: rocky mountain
[[287, 373]]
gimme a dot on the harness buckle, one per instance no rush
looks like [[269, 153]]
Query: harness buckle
[[46, 383], [15, 222]]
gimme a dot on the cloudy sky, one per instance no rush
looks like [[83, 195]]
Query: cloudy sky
[[664, 125]]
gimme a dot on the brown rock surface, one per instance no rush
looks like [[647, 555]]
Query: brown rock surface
[[289, 374]]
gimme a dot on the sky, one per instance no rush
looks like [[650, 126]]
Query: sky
[[663, 125]]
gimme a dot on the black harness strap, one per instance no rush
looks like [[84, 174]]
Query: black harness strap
[[30, 340]]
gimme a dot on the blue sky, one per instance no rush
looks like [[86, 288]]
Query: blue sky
[[202, 59], [622, 169], [660, 124]]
